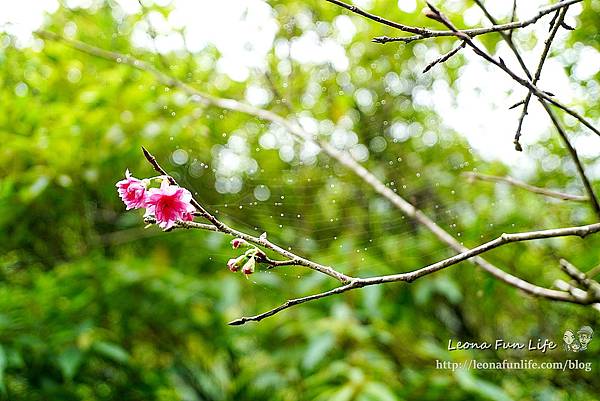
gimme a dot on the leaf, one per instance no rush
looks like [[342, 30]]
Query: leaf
[[449, 289], [478, 386], [69, 362], [317, 349], [111, 351], [379, 392], [344, 394], [371, 299]]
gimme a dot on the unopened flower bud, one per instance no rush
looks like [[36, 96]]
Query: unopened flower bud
[[249, 266], [237, 242], [234, 264]]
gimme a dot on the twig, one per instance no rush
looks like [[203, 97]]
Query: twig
[[507, 38], [444, 58], [578, 164], [513, 16], [153, 35], [564, 295], [188, 225], [466, 35], [292, 302], [342, 157], [422, 33], [437, 15], [586, 182], [560, 15], [593, 272], [261, 241], [531, 188], [571, 289], [590, 285], [574, 273]]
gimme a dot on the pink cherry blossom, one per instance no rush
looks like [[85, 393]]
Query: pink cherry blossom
[[168, 204], [132, 191]]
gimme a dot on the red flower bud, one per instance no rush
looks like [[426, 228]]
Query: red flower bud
[[234, 264], [237, 242], [249, 266]]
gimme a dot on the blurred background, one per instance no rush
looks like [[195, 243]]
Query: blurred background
[[93, 306]]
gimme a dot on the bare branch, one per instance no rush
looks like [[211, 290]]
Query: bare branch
[[293, 302], [592, 286], [593, 272], [560, 16], [542, 95], [578, 164], [513, 14], [575, 292], [574, 273], [153, 35], [580, 231], [531, 188], [507, 38], [422, 33], [444, 58], [574, 156], [466, 35], [566, 295]]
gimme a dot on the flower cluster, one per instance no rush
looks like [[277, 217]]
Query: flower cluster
[[246, 262], [171, 203], [167, 204]]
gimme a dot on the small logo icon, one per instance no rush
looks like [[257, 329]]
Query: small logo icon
[[579, 342]]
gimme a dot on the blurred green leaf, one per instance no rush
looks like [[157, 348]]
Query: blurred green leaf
[[111, 351]]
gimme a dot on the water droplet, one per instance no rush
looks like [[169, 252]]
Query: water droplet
[[180, 157]]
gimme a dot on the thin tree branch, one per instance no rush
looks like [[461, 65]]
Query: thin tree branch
[[507, 37], [153, 35], [293, 302], [574, 156], [188, 225], [513, 14], [466, 35], [437, 15], [579, 276], [444, 58], [342, 157], [591, 286], [566, 295], [554, 30], [571, 289], [593, 272], [523, 185], [579, 231], [261, 241], [423, 33]]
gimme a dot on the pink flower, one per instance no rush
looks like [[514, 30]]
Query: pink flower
[[168, 204], [132, 191]]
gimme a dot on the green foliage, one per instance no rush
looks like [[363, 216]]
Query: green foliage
[[95, 307]]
